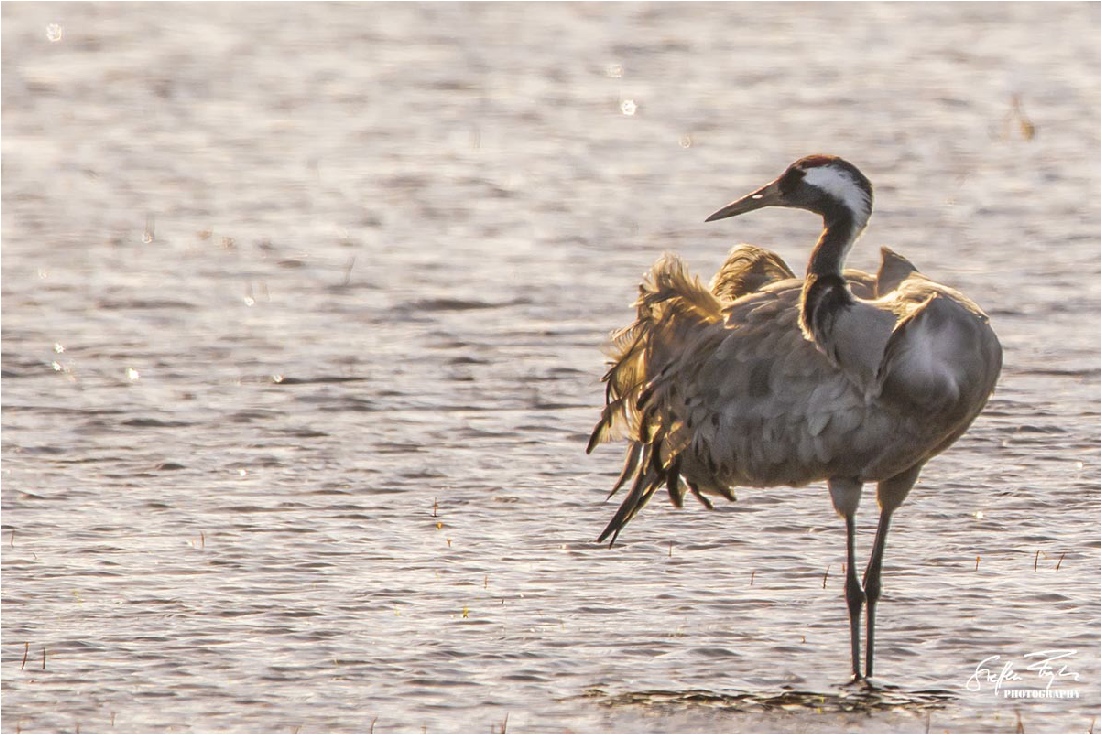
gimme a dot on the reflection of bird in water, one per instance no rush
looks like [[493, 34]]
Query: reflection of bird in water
[[765, 379]]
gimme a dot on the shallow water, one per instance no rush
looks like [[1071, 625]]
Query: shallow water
[[302, 316]]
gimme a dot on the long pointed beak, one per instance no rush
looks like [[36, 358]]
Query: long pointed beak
[[767, 196]]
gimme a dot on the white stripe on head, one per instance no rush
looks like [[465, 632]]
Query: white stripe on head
[[840, 184]]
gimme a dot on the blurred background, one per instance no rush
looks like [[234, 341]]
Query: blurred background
[[302, 310]]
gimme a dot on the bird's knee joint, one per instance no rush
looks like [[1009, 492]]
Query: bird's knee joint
[[855, 596]]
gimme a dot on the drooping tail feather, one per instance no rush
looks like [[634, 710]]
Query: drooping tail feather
[[672, 308]]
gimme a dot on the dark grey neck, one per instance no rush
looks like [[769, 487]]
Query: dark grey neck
[[825, 293], [840, 230]]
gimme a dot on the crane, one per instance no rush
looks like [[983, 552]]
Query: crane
[[764, 379]]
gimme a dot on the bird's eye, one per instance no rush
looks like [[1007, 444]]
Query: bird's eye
[[791, 179]]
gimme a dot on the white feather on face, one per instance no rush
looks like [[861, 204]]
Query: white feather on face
[[839, 183]]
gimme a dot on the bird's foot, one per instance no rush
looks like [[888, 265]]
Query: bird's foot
[[865, 684], [858, 682]]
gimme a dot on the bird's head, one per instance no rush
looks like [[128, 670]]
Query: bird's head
[[826, 185]]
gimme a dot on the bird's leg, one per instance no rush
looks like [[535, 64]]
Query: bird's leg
[[846, 495], [855, 598], [890, 493], [872, 585]]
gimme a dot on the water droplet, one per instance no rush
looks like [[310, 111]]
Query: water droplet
[[148, 234], [132, 374], [249, 300], [686, 141], [277, 378], [979, 515], [628, 107], [53, 32]]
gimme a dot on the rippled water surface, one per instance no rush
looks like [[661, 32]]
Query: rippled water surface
[[302, 317]]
